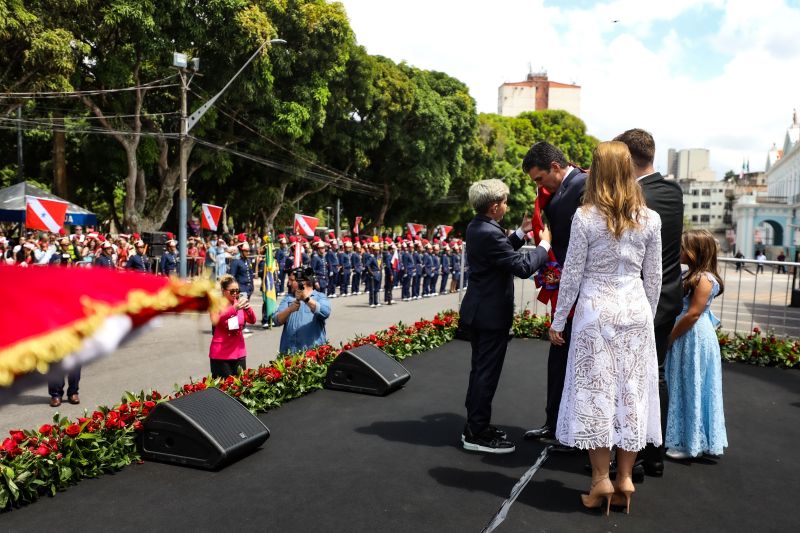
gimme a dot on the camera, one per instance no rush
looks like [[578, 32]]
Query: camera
[[303, 275]]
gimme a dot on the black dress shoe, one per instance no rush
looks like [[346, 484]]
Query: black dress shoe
[[487, 442], [544, 432], [655, 469], [498, 433], [560, 448]]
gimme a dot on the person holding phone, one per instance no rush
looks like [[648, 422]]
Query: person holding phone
[[228, 353], [302, 313]]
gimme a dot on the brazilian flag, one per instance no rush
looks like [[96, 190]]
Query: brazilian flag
[[268, 283]]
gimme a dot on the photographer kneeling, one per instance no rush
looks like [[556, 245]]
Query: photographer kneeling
[[302, 313]]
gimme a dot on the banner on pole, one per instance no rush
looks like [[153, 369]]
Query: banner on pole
[[415, 229], [44, 214], [210, 218], [305, 225]]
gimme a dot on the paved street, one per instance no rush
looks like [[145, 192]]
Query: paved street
[[176, 348]]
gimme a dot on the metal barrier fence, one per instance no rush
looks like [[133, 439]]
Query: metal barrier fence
[[764, 294]]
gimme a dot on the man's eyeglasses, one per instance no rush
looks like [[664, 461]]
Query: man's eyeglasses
[[234, 291]]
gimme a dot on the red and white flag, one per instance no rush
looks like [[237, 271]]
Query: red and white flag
[[415, 229], [444, 231], [211, 214], [395, 261], [298, 255], [304, 225], [356, 226], [43, 214]]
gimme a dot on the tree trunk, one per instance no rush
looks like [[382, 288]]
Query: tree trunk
[[387, 199], [59, 157]]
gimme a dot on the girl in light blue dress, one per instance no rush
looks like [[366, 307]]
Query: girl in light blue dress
[[695, 420]]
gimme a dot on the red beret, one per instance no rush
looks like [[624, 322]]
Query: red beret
[[241, 237], [170, 235], [316, 238], [292, 239]]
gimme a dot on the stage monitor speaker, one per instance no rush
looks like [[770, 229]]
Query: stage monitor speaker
[[366, 369], [154, 237], [206, 429]]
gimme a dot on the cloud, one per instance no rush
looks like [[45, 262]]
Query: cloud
[[710, 73]]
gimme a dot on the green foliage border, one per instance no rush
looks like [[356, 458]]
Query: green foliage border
[[47, 460]]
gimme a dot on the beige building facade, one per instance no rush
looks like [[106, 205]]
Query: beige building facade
[[537, 93]]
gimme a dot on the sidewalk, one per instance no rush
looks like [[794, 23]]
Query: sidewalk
[[176, 348]]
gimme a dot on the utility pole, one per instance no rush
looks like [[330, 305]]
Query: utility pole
[[182, 216], [187, 123], [338, 215], [20, 158]]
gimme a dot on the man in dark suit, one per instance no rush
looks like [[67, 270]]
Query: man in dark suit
[[665, 198], [488, 307], [548, 168]]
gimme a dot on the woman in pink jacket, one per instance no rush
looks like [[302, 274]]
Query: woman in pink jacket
[[228, 353]]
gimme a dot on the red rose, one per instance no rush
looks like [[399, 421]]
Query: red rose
[[42, 450], [123, 408], [756, 330], [97, 415], [408, 341], [134, 405], [8, 445], [149, 404], [17, 435], [73, 429], [46, 429], [137, 425]]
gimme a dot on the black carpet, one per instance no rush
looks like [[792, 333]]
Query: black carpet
[[345, 462]]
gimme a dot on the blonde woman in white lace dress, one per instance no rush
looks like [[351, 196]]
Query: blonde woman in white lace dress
[[613, 269]]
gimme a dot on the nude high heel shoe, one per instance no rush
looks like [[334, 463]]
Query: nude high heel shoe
[[623, 490], [601, 489]]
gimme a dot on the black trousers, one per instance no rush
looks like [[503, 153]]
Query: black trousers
[[488, 354], [653, 454], [55, 387], [556, 371], [222, 368]]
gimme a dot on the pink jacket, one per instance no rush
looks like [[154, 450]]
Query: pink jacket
[[229, 344]]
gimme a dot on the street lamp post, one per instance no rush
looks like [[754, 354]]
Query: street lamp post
[[328, 217], [187, 123]]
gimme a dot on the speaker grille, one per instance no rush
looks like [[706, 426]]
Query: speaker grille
[[222, 417]]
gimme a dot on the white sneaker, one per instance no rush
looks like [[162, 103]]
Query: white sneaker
[[245, 330], [372, 305], [678, 455], [264, 326], [377, 305]]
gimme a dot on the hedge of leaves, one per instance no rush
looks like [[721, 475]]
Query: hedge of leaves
[[48, 459], [756, 348]]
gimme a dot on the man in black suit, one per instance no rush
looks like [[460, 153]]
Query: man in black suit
[[548, 167], [665, 198], [488, 307]]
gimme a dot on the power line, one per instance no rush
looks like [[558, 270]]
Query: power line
[[78, 94], [321, 166]]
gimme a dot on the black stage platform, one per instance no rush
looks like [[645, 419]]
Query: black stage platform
[[350, 463]]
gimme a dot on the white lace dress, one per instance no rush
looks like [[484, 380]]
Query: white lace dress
[[610, 395]]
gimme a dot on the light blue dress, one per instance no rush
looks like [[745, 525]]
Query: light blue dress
[[696, 421]]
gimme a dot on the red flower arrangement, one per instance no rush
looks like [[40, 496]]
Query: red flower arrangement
[[59, 454]]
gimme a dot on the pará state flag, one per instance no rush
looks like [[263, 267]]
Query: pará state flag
[[210, 218], [305, 225], [44, 214]]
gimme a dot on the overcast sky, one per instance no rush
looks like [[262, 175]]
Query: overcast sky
[[713, 74]]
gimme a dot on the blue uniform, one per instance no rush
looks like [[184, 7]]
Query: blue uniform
[[169, 263], [138, 263], [415, 283], [456, 269], [358, 268], [280, 260], [407, 274], [437, 265], [104, 261], [373, 267], [320, 268], [346, 268], [333, 272], [242, 272], [445, 260], [427, 272]]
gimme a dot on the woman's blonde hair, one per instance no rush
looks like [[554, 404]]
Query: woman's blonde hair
[[700, 248], [612, 187], [225, 281]]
